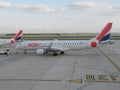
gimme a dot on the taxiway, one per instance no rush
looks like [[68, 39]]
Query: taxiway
[[92, 69]]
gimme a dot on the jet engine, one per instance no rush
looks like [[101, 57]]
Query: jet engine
[[40, 51]]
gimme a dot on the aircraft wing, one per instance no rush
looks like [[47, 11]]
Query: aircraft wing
[[58, 49], [55, 48]]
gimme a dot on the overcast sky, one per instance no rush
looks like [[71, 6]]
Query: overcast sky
[[58, 16]]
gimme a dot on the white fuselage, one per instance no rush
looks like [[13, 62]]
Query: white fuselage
[[58, 44], [4, 42]]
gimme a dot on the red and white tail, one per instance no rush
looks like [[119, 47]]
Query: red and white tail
[[16, 37], [105, 33], [102, 36]]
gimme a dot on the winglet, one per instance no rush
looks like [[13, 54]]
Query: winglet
[[104, 35]]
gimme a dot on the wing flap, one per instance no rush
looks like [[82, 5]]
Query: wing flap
[[58, 49]]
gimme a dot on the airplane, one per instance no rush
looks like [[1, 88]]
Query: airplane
[[4, 42], [43, 47]]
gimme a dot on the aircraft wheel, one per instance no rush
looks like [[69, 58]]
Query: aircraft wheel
[[5, 53], [55, 54], [62, 52], [25, 51]]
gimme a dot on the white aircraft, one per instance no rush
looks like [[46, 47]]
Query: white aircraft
[[4, 42], [59, 46]]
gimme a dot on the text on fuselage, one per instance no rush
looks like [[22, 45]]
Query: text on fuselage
[[33, 44]]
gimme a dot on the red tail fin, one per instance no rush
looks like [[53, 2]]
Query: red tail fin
[[104, 32], [15, 37]]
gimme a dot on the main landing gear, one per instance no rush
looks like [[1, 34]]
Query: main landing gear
[[25, 51], [7, 52], [56, 54], [62, 52]]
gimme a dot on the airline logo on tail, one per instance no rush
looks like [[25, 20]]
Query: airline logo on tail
[[17, 37]]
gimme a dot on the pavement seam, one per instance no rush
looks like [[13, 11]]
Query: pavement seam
[[73, 72], [110, 60]]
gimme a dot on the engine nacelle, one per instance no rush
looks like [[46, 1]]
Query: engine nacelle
[[40, 51]]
